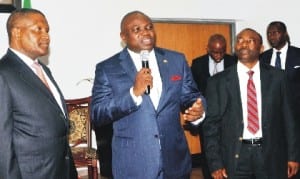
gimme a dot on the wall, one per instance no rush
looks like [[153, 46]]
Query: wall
[[86, 32]]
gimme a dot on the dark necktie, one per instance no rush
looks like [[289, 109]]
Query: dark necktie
[[253, 123], [278, 60]]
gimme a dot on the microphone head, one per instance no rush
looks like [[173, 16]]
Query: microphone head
[[144, 55]]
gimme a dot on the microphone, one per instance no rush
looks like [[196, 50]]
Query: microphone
[[145, 64]]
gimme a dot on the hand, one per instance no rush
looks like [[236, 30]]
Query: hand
[[142, 79], [293, 168], [219, 174], [194, 112]]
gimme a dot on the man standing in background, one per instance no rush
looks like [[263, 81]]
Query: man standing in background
[[33, 118], [203, 67], [216, 60], [284, 56]]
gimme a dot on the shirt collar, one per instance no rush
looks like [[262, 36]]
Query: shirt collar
[[28, 61]]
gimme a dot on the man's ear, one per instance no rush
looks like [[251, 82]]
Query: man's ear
[[262, 49], [15, 33]]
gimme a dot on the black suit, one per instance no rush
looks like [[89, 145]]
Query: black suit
[[34, 129], [200, 71], [292, 69], [224, 122]]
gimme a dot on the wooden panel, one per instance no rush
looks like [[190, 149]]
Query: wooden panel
[[191, 39]]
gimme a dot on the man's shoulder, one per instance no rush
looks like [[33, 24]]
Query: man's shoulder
[[110, 60], [200, 59], [165, 51]]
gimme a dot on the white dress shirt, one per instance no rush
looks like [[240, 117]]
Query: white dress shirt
[[215, 67], [156, 90], [243, 80], [283, 54]]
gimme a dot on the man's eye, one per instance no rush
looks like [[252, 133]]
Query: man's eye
[[149, 27], [136, 30]]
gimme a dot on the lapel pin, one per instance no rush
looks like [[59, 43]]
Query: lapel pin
[[165, 61]]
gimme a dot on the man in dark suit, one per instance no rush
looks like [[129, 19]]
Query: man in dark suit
[[250, 128], [216, 60], [279, 40], [203, 67], [148, 139], [33, 119]]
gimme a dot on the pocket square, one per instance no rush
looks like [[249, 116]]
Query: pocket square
[[175, 78], [296, 66]]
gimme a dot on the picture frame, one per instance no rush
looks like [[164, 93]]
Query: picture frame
[[7, 6]]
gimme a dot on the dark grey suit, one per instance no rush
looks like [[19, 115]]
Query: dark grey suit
[[224, 122], [34, 130]]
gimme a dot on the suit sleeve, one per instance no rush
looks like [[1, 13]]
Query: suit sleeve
[[212, 127], [190, 91], [9, 167], [291, 125], [108, 106]]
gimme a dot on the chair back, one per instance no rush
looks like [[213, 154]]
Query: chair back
[[80, 126]]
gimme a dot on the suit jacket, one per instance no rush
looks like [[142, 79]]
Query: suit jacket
[[34, 130], [223, 126], [200, 69], [292, 68], [142, 136]]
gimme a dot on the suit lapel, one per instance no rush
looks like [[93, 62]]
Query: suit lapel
[[127, 64], [163, 65], [206, 66], [62, 99], [265, 79], [233, 91]]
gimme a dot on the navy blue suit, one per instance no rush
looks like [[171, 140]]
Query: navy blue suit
[[146, 140]]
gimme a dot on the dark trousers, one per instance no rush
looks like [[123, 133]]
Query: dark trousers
[[250, 163], [204, 165], [104, 151]]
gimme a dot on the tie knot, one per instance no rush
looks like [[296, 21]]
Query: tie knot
[[278, 53], [250, 73], [36, 65]]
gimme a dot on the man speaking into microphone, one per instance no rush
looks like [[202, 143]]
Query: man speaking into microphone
[[142, 90]]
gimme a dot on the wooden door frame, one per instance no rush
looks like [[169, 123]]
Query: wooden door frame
[[230, 22]]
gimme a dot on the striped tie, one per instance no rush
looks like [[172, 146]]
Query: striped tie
[[253, 124]]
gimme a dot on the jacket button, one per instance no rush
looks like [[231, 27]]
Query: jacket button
[[236, 156], [156, 136]]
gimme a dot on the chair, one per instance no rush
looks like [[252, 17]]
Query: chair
[[80, 135]]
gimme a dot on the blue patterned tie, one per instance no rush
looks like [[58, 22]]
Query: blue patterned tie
[[278, 60]]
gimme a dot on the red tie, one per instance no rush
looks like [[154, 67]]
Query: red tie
[[253, 124]]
